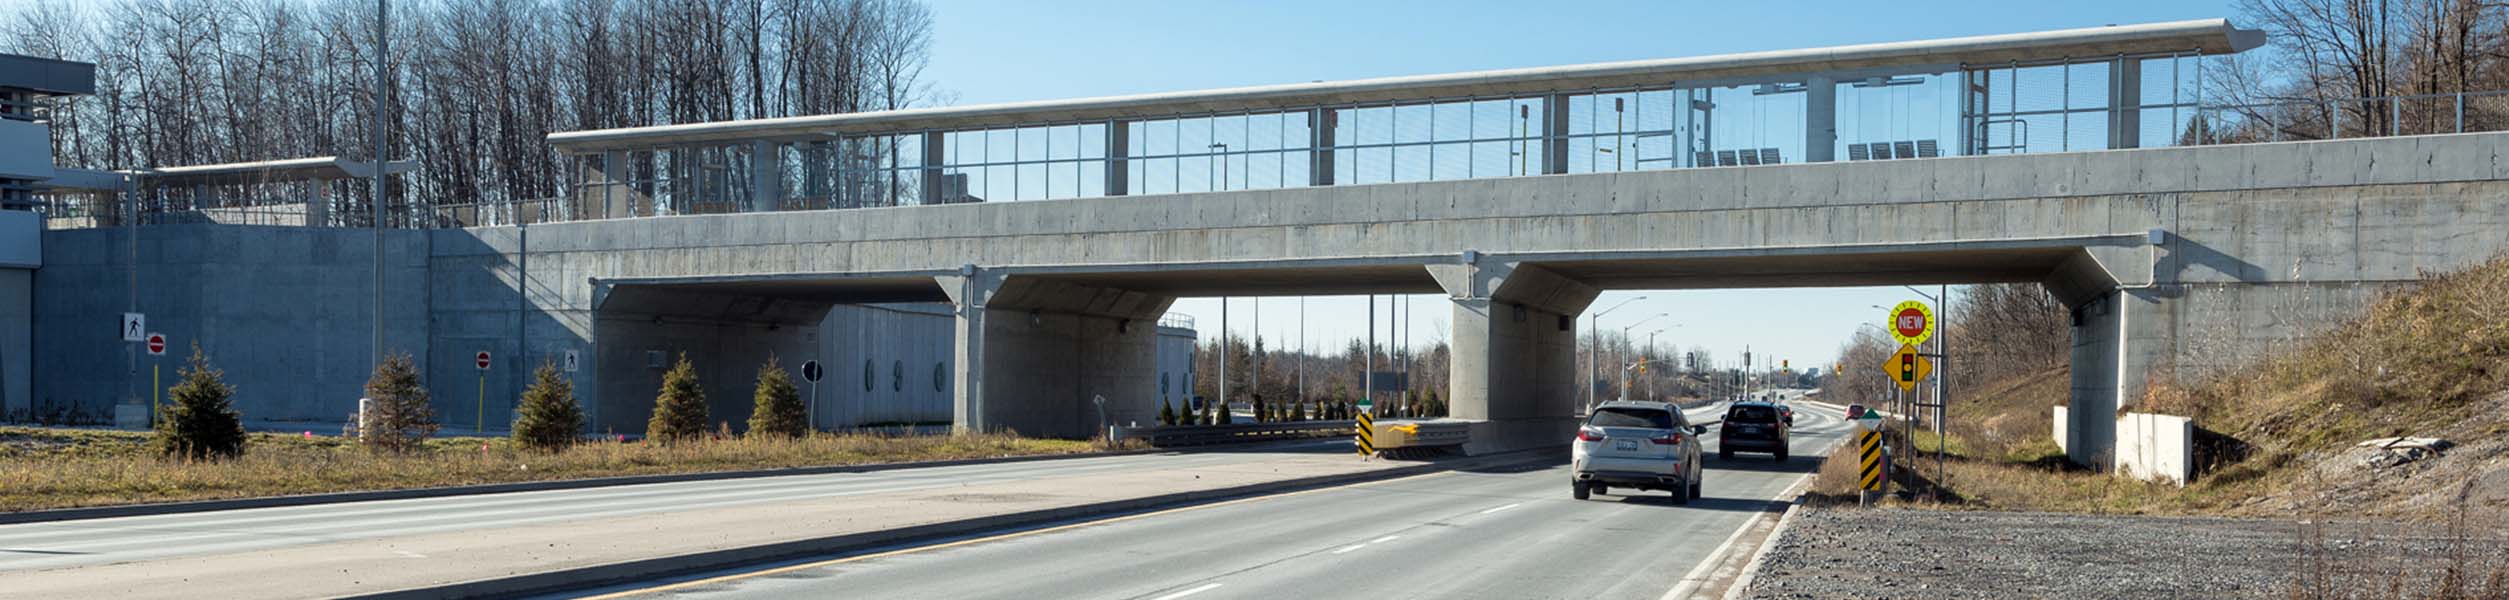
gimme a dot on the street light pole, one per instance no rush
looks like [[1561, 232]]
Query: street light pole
[[1594, 343], [383, 41]]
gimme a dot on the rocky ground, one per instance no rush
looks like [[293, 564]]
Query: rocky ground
[[1902, 553]]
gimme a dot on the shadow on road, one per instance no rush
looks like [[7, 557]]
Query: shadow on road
[[1710, 502], [1762, 463]]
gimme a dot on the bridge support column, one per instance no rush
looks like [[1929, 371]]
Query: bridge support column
[[1033, 354], [2125, 328], [2125, 103], [1820, 119], [1515, 353]]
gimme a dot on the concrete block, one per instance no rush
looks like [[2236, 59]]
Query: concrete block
[[2156, 447]]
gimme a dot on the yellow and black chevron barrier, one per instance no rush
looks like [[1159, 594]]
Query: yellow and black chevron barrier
[[1367, 435], [1869, 449]]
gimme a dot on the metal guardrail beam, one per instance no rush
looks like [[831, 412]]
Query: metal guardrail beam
[[1198, 435]]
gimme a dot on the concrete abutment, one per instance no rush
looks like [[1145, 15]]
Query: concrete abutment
[[1514, 371], [1033, 354]]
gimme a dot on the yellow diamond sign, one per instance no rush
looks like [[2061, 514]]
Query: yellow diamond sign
[[1906, 368]]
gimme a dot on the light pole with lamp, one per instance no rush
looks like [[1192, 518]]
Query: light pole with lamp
[[1594, 346], [1624, 334]]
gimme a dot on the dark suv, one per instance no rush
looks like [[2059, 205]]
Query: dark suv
[[1753, 427]]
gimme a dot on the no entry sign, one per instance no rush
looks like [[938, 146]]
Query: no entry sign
[[1912, 322], [482, 359], [156, 344]]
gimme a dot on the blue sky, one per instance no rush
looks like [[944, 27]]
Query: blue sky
[[1000, 50]]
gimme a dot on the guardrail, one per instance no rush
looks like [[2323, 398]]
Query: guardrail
[[1198, 435]]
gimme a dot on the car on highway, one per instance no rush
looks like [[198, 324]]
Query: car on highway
[[1787, 412], [1638, 445], [1753, 427]]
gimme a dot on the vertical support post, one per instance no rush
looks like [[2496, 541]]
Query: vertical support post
[[766, 184], [2125, 103], [933, 157], [1820, 119], [1321, 124], [1554, 134], [1975, 85], [1118, 147]]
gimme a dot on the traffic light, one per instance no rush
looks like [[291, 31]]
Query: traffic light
[[1907, 367]]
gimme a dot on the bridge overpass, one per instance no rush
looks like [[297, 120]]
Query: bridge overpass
[[2173, 260], [1059, 231]]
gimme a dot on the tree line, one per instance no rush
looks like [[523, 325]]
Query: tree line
[[476, 85], [2325, 50]]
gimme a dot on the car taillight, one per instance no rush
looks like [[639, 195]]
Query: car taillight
[[1669, 439], [1589, 435]]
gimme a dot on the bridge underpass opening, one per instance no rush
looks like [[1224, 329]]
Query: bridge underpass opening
[[1032, 349]]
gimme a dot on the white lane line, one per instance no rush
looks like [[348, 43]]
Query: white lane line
[[409, 554], [1383, 539], [1348, 549], [1195, 590], [1502, 508]]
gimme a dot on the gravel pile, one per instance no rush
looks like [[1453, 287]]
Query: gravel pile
[[1899, 553]]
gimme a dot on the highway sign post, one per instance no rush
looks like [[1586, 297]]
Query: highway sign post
[[810, 372], [482, 361], [156, 373]]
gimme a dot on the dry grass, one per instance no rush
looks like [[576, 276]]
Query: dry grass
[[56, 468]]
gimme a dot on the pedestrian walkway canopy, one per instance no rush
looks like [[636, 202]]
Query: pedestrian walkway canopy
[[2094, 88]]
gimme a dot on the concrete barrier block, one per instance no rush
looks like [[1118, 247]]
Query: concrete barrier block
[[2059, 428], [2155, 447]]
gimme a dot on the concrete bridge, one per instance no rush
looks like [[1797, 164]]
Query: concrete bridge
[[2173, 260], [732, 240]]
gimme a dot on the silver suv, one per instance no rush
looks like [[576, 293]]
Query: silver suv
[[1641, 445]]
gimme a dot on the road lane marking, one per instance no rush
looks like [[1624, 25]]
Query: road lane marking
[[1195, 590], [1502, 508], [1348, 549], [721, 579], [1383, 539], [1700, 574]]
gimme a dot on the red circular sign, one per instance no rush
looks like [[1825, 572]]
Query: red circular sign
[[483, 360], [156, 343], [1910, 322]]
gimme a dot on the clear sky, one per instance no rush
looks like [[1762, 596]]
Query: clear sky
[[989, 51]]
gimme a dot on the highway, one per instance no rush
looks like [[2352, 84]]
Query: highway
[[67, 544], [1506, 533]]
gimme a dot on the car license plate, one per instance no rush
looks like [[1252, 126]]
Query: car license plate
[[1748, 429], [1625, 445]]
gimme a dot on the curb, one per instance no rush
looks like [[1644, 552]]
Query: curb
[[195, 506], [578, 578]]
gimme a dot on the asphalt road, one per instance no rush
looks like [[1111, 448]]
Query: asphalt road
[[1511, 533], [105, 541]]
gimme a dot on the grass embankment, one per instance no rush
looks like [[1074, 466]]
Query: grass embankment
[[2276, 436], [57, 468]]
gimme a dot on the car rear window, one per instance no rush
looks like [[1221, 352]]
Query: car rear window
[[1632, 417], [1751, 414]]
